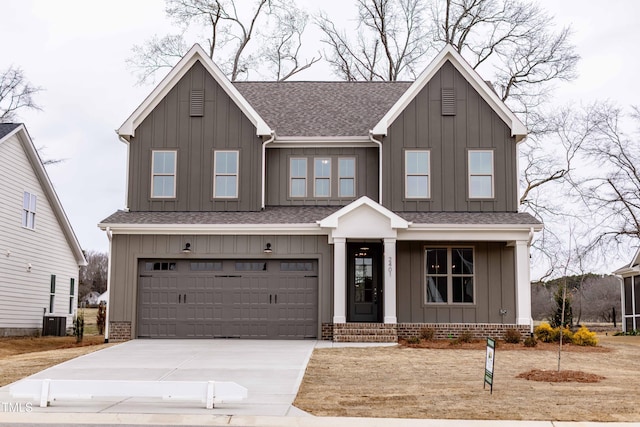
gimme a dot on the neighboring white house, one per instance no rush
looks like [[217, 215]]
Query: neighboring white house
[[39, 252], [91, 298]]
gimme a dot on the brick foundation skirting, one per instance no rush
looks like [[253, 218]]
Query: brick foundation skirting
[[119, 331], [442, 330], [453, 330]]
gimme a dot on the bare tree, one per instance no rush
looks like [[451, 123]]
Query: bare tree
[[93, 276], [16, 94], [229, 30], [390, 44]]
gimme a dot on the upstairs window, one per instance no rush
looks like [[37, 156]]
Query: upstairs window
[[481, 174], [298, 177], [29, 210], [417, 174], [449, 275], [163, 179], [322, 182], [225, 174], [346, 177]]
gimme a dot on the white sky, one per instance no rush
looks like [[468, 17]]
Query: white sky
[[76, 51]]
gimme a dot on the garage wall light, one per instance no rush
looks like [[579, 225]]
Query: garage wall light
[[267, 248], [187, 248]]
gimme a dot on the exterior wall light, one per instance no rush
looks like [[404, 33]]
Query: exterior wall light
[[267, 248], [187, 248]]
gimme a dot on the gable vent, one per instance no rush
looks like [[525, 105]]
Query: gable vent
[[448, 101], [197, 103]]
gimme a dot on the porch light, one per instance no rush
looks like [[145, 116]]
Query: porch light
[[267, 248], [187, 248]]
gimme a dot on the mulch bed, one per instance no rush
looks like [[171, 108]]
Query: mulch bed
[[500, 345], [560, 377]]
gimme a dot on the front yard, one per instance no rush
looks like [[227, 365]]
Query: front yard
[[448, 383]]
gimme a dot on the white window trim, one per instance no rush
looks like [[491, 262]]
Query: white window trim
[[216, 174], [492, 174], [352, 177], [316, 177], [449, 276], [174, 174], [291, 177], [407, 175], [29, 211]]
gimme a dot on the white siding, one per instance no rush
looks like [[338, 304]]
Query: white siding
[[24, 295]]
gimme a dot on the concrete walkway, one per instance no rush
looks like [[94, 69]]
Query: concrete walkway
[[270, 370]]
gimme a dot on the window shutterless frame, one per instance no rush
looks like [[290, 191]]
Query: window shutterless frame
[[417, 174], [29, 201], [449, 275], [322, 177], [225, 174], [481, 174], [298, 177], [163, 174], [346, 177]]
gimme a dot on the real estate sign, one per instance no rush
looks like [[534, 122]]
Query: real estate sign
[[489, 363]]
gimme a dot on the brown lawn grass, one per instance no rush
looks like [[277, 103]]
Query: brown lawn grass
[[24, 356], [447, 382]]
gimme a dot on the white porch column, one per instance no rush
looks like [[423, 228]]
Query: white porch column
[[523, 284], [339, 280], [389, 281]]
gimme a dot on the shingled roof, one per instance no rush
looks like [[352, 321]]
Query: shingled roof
[[322, 108], [309, 215], [7, 128]]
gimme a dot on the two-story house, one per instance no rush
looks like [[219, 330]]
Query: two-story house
[[39, 252], [337, 210]]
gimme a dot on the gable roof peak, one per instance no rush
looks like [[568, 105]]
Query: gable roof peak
[[195, 54], [449, 53]]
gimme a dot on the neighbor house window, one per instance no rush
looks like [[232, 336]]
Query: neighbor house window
[[52, 292], [417, 174], [163, 176], [72, 292], [298, 177], [480, 174], [346, 177], [225, 174], [449, 275], [322, 173], [29, 210]]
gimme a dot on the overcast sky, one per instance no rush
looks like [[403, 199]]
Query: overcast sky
[[76, 51]]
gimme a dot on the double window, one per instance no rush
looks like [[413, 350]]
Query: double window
[[29, 210], [449, 274], [417, 174], [225, 174], [480, 174], [163, 177]]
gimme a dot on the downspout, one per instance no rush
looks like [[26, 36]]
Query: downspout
[[264, 166], [126, 182], [379, 144], [106, 323]]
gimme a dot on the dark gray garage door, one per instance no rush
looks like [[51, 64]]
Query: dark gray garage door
[[275, 299]]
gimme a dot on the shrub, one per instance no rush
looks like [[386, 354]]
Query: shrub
[[413, 340], [585, 337], [545, 333], [101, 318], [427, 333], [78, 326], [530, 341], [567, 335], [512, 336], [465, 336]]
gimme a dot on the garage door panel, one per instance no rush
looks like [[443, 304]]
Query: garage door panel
[[232, 298]]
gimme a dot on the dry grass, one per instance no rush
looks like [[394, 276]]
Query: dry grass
[[448, 383]]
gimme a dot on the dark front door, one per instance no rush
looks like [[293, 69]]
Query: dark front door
[[364, 282]]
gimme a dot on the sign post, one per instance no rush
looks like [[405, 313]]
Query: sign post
[[489, 363]]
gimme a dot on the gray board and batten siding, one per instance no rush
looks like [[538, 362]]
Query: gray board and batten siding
[[129, 250], [475, 125], [170, 126], [494, 276]]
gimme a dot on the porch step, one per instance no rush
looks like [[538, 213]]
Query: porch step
[[365, 332]]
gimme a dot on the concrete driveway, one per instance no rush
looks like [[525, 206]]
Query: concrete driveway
[[270, 370]]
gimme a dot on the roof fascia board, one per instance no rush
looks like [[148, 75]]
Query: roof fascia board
[[196, 53], [223, 229], [466, 234], [34, 158], [321, 141], [518, 129], [472, 227]]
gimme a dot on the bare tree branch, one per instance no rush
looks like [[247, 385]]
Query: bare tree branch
[[16, 94]]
